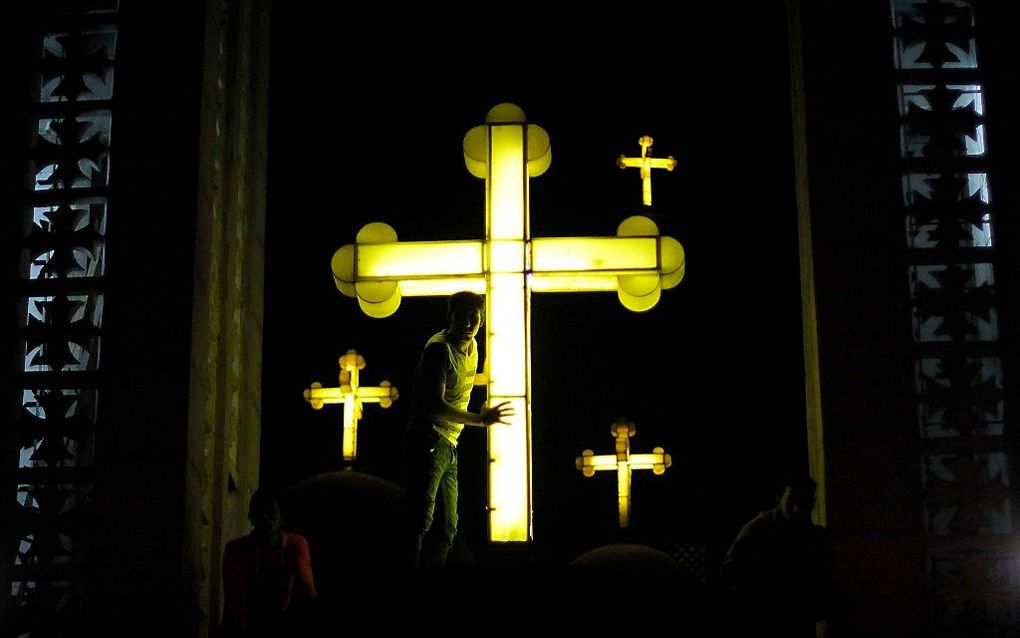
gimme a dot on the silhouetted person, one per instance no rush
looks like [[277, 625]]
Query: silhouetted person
[[776, 571], [442, 389], [268, 588]]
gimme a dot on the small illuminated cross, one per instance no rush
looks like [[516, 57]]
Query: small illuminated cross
[[623, 462], [646, 164], [351, 393], [507, 265]]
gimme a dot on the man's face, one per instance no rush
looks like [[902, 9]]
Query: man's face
[[796, 504], [464, 325], [267, 519]]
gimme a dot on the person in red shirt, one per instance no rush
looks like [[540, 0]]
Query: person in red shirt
[[268, 586]]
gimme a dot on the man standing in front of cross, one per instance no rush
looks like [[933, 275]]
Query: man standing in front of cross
[[442, 389]]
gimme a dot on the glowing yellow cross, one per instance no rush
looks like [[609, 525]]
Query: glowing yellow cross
[[353, 396], [507, 266], [623, 462], [646, 164]]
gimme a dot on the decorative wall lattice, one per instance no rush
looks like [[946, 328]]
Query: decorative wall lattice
[[59, 317], [964, 422]]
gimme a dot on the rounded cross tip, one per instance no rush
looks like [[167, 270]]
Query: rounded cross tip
[[376, 292], [639, 293], [476, 150], [637, 226], [638, 285], [673, 262], [381, 309], [394, 394], [615, 427], [352, 360], [315, 403], [505, 112], [376, 233], [638, 303], [342, 265]]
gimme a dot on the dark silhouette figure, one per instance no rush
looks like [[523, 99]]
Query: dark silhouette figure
[[268, 586], [775, 574], [442, 389]]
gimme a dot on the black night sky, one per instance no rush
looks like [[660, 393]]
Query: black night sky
[[714, 373]]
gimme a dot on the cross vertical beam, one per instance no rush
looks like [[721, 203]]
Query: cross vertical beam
[[507, 332]]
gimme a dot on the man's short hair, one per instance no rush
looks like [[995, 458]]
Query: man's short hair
[[464, 302], [261, 499], [799, 483]]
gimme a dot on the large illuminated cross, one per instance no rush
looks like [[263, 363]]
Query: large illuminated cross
[[624, 463], [507, 266], [353, 396]]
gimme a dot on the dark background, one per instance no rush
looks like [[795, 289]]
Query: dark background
[[364, 132]]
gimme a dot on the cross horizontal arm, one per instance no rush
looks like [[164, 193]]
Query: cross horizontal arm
[[636, 461], [573, 282], [558, 264], [595, 255], [598, 463], [649, 461], [424, 259], [441, 287], [667, 163], [370, 271], [629, 162], [637, 264], [593, 264], [337, 395], [435, 261]]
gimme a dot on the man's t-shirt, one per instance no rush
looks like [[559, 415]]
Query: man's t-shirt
[[442, 359]]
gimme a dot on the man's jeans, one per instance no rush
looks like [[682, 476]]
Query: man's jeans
[[433, 466]]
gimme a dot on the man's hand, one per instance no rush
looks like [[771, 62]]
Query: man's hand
[[496, 414]]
